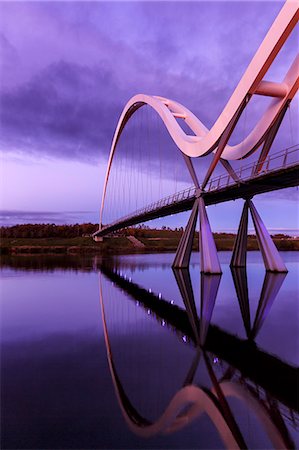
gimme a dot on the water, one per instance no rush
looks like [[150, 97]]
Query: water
[[122, 353]]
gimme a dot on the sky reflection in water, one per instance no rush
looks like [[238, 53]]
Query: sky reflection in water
[[58, 391]]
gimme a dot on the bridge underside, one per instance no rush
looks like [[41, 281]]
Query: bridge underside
[[280, 179]]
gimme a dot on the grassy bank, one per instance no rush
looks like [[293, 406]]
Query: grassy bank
[[153, 240]]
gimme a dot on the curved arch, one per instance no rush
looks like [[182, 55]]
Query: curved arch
[[205, 141]]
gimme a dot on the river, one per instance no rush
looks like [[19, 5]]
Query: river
[[124, 353]]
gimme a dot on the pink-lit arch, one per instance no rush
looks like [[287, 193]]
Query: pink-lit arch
[[204, 140]]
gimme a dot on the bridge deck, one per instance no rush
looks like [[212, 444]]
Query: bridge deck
[[270, 181]]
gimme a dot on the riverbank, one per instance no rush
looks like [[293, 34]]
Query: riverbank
[[123, 244]]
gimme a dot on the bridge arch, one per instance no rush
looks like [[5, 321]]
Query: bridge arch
[[205, 141]]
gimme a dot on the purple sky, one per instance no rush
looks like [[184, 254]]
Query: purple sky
[[68, 68]]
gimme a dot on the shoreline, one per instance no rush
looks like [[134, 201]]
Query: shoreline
[[122, 245]]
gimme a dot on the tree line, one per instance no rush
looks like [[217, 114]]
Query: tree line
[[87, 229], [48, 230]]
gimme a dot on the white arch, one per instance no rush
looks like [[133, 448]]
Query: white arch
[[251, 83]]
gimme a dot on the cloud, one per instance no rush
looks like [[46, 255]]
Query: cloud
[[70, 68], [60, 111]]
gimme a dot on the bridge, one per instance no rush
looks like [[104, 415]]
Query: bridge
[[270, 171], [220, 189]]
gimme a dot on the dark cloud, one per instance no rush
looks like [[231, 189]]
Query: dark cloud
[[71, 68], [64, 107]]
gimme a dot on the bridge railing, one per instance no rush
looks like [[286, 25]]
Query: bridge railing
[[278, 160], [166, 201]]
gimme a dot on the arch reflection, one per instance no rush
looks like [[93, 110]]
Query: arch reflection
[[191, 401]]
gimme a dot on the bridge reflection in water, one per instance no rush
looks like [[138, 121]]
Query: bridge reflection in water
[[264, 384]]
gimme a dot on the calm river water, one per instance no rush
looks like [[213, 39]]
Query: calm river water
[[124, 353]]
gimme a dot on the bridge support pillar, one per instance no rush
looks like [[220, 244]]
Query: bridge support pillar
[[272, 259], [208, 252], [240, 245], [183, 254]]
